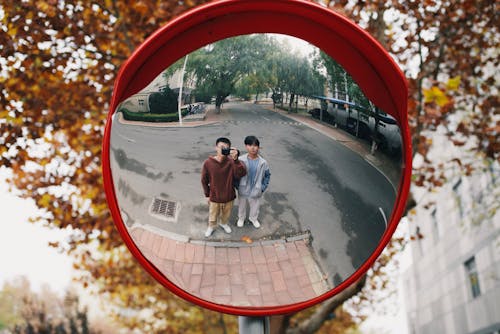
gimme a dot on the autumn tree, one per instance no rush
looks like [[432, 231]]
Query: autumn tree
[[59, 59], [449, 53], [44, 312]]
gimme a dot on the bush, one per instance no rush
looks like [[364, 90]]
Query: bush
[[164, 102], [150, 117]]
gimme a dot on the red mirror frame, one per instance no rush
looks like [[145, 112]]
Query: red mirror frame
[[362, 57]]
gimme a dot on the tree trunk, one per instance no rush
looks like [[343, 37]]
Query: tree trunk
[[290, 103], [218, 103], [279, 324]]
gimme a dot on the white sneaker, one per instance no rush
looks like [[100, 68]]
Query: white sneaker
[[240, 222], [255, 223], [209, 232], [226, 228]]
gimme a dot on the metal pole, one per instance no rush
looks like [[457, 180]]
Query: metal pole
[[180, 90], [254, 325]]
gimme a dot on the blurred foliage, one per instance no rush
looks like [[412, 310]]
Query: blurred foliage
[[59, 60], [26, 312]]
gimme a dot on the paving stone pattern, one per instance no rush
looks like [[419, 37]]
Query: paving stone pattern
[[257, 274]]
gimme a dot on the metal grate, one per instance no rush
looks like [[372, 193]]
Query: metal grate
[[164, 209]]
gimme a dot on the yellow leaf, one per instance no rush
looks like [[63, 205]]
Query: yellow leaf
[[12, 31], [453, 83], [141, 8], [435, 95], [45, 200], [43, 6]]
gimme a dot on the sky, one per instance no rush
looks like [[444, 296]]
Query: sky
[[24, 246]]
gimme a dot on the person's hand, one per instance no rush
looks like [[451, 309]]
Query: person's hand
[[234, 153]]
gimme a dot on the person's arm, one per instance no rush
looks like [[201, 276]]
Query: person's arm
[[266, 179], [205, 180], [239, 169]]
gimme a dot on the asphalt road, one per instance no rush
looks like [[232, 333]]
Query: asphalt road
[[317, 184]]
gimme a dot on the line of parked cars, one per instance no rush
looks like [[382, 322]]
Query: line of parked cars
[[370, 125]]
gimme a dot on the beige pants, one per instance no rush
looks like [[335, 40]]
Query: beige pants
[[218, 211]]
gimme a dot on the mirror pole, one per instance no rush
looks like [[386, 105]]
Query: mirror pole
[[254, 325]]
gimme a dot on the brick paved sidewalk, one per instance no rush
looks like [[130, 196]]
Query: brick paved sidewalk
[[259, 274]]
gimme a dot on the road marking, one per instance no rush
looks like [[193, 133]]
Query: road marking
[[126, 138], [261, 122], [383, 216]]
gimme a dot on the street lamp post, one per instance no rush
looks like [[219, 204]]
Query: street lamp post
[[180, 90]]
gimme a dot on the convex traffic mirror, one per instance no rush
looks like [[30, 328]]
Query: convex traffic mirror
[[322, 139]]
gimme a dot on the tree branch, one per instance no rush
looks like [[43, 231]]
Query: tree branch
[[314, 323]]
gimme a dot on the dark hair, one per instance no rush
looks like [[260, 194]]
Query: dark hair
[[222, 140], [252, 140]]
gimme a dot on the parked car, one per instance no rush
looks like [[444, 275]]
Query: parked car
[[362, 122]]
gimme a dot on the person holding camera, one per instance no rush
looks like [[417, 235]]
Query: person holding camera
[[217, 178], [252, 186]]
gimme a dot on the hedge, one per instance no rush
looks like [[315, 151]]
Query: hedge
[[149, 117]]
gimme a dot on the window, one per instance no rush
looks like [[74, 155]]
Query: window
[[472, 276]]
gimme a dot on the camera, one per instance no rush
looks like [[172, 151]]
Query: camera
[[227, 151]]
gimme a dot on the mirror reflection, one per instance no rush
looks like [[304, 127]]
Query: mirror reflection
[[254, 172]]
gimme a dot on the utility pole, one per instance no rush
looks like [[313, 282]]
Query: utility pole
[[180, 90]]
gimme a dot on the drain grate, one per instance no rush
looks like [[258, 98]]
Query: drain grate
[[164, 209]]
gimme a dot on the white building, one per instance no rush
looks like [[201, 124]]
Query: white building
[[140, 102], [137, 103], [453, 284]]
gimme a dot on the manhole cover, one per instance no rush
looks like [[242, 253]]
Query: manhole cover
[[164, 209]]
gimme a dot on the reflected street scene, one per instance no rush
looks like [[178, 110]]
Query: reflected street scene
[[319, 184]]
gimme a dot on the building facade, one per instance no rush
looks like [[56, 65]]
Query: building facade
[[453, 284]]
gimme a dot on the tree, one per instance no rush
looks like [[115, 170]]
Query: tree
[[60, 59], [41, 313], [164, 102], [448, 52], [252, 84], [220, 66]]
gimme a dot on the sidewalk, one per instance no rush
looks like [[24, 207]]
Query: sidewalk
[[270, 273]]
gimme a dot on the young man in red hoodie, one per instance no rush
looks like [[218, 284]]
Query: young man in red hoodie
[[217, 177]]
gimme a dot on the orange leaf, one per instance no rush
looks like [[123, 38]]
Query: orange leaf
[[246, 239]]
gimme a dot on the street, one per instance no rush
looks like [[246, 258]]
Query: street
[[318, 186]]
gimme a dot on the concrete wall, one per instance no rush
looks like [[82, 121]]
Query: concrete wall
[[437, 286]]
